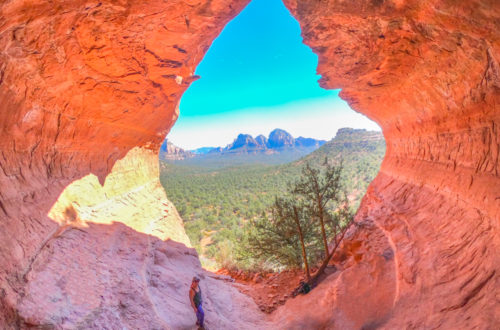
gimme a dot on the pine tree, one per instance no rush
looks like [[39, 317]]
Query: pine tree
[[280, 238], [317, 189], [314, 210]]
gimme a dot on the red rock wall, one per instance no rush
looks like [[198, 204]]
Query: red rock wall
[[83, 84], [428, 73]]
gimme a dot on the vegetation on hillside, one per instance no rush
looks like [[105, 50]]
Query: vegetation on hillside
[[301, 223], [216, 202], [219, 160]]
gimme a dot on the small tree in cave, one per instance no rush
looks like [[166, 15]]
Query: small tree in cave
[[321, 192], [300, 223], [280, 238], [318, 189]]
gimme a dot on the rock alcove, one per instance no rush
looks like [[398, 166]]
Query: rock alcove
[[89, 89]]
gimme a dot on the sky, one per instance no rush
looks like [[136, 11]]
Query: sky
[[258, 76]]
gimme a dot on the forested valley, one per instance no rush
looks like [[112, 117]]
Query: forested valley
[[216, 202]]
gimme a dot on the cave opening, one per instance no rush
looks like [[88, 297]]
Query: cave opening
[[246, 129], [88, 91]]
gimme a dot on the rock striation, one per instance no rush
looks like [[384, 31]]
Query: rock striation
[[83, 85], [89, 90], [428, 74]]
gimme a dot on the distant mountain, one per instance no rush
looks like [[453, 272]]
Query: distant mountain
[[261, 140], [308, 142], [351, 145], [215, 151], [278, 141], [169, 151], [279, 148], [202, 150], [244, 143]]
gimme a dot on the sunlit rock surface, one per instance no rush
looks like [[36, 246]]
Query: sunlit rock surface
[[88, 91], [428, 73], [77, 283], [126, 196]]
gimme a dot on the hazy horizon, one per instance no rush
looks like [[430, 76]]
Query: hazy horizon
[[266, 134], [258, 76]]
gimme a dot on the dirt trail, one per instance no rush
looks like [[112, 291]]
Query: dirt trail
[[268, 290], [272, 290]]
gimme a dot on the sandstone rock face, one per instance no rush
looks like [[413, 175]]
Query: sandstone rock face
[[89, 89], [147, 289], [359, 295], [135, 199], [82, 85], [428, 73]]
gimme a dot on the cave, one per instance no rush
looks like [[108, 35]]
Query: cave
[[89, 90]]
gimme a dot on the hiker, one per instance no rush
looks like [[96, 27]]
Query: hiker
[[195, 298]]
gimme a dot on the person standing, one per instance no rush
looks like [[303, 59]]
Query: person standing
[[195, 298]]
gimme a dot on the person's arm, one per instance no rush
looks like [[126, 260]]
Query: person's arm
[[191, 298]]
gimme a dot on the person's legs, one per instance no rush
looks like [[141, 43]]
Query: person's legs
[[200, 315]]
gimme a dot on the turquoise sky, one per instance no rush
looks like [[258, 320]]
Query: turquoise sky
[[257, 76]]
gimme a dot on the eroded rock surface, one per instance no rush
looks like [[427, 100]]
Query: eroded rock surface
[[360, 294], [84, 84], [131, 280], [428, 73]]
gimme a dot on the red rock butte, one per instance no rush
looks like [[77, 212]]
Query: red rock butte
[[89, 90]]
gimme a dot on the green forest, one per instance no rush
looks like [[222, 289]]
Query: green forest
[[216, 202]]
